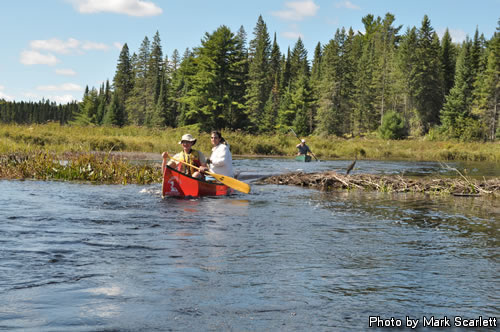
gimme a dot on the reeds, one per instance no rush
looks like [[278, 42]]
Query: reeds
[[91, 167]]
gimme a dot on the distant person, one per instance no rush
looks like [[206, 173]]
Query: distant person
[[221, 160], [303, 148], [187, 155]]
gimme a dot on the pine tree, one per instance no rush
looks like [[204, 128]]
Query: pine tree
[[301, 105], [258, 84], [427, 77], [406, 60], [386, 38], [299, 65], [270, 118], [487, 91], [219, 63], [457, 107], [181, 86], [366, 117], [115, 114], [160, 115], [123, 82], [448, 62], [137, 103], [154, 80]]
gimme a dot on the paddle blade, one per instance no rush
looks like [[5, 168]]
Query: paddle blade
[[232, 182]]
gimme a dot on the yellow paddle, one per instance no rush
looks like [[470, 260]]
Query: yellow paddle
[[227, 180]]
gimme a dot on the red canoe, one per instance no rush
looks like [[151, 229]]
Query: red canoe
[[179, 184]]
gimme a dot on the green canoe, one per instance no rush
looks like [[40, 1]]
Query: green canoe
[[303, 157]]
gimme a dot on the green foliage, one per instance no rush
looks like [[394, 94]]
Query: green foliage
[[393, 126], [355, 78]]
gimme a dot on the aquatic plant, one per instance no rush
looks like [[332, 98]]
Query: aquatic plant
[[92, 167]]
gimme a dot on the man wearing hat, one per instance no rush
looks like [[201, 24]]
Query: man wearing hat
[[302, 147], [188, 155]]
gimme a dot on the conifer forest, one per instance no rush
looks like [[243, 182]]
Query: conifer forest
[[398, 83]]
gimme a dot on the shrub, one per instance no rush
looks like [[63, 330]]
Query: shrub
[[393, 126]]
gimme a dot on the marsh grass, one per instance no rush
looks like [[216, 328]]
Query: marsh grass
[[95, 167], [58, 139]]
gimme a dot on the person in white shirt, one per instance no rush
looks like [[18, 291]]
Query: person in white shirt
[[221, 160]]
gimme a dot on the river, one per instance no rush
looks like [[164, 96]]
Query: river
[[83, 257]]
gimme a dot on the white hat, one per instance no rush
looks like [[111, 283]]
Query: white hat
[[303, 141], [189, 138]]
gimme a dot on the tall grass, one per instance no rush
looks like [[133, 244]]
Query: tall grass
[[57, 139]]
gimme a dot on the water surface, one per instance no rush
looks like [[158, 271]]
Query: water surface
[[84, 257]]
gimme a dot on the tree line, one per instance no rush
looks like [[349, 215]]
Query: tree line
[[37, 112], [399, 83]]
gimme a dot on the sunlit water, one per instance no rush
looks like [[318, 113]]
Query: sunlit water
[[80, 257]]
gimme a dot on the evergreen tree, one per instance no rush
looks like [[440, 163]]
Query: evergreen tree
[[427, 77], [88, 108], [487, 90], [181, 85], [406, 62], [154, 80], [301, 106], [115, 114], [259, 84], [137, 103], [285, 71], [219, 63], [366, 117], [457, 107], [123, 82], [270, 119], [160, 115], [448, 62], [299, 65], [386, 39]]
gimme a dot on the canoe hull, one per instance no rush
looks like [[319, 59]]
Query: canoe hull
[[303, 157], [178, 184]]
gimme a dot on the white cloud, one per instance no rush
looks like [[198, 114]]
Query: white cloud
[[66, 47], [62, 87], [127, 7], [64, 99], [37, 58], [347, 4], [94, 46], [457, 35], [56, 45], [297, 10], [118, 45], [61, 99], [4, 95], [66, 72], [292, 35]]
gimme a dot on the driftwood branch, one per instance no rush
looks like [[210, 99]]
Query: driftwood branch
[[332, 180]]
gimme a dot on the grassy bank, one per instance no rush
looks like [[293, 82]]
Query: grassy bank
[[58, 139]]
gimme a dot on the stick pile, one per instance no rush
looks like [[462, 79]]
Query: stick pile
[[331, 180]]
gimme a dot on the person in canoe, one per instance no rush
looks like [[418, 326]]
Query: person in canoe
[[221, 160], [303, 148], [188, 155]]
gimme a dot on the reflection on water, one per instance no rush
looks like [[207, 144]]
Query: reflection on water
[[86, 257]]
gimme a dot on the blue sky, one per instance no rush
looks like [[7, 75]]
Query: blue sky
[[52, 49]]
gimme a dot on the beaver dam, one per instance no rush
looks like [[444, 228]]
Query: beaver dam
[[329, 181]]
